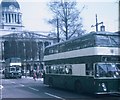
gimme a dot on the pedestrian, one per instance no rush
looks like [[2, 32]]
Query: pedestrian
[[37, 74], [34, 76]]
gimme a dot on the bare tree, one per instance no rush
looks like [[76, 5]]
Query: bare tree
[[119, 16], [66, 19]]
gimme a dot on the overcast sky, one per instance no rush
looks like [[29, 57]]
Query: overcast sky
[[36, 13]]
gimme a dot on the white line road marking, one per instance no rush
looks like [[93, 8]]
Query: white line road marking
[[21, 85], [54, 96], [33, 89]]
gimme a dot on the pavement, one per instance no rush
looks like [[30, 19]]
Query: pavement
[[28, 77]]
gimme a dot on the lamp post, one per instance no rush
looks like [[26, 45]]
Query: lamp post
[[96, 25]]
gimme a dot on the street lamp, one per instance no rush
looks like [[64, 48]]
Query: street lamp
[[96, 25]]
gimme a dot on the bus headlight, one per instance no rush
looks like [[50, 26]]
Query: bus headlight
[[104, 86]]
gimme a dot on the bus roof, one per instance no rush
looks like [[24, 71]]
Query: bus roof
[[91, 33]]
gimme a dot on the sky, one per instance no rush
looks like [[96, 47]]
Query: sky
[[35, 14]]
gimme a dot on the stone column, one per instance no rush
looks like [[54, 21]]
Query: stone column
[[4, 18], [14, 18], [18, 18], [7, 17], [11, 18]]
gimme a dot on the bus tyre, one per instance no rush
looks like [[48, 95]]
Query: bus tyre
[[50, 82], [78, 87]]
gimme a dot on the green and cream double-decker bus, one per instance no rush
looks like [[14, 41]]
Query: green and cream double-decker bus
[[90, 63]]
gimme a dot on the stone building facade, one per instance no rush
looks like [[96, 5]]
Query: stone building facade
[[15, 42]]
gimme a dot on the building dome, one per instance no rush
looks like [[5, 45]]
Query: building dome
[[8, 3]]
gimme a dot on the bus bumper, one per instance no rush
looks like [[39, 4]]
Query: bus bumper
[[112, 93], [108, 86]]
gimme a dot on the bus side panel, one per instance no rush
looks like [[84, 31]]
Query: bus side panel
[[68, 82]]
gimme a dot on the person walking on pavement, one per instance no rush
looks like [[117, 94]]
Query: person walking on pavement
[[34, 75], [37, 74]]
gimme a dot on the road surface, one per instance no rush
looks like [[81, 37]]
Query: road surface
[[29, 89]]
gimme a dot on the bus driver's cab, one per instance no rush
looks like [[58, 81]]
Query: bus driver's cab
[[107, 70]]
